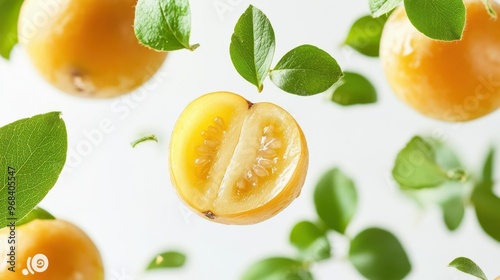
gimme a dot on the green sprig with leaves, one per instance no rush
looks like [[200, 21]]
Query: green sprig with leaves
[[430, 172], [374, 252], [305, 70]]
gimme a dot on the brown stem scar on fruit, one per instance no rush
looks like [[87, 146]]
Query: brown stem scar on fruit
[[209, 215], [250, 104]]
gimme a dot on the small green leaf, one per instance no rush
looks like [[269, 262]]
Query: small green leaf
[[489, 8], [445, 156], [163, 25], [169, 259], [36, 214], [437, 19], [468, 266], [487, 181], [277, 268], [364, 35], [252, 46], [9, 14], [378, 255], [32, 153], [336, 199], [144, 139], [311, 241], [382, 7], [306, 70], [416, 166], [354, 89], [487, 206], [453, 212]]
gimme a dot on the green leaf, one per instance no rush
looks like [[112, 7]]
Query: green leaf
[[489, 8], [364, 35], [36, 214], [468, 266], [336, 199], [437, 19], [163, 25], [453, 212], [144, 139], [445, 156], [306, 70], [32, 155], [252, 46], [311, 241], [416, 166], [487, 181], [378, 255], [277, 268], [9, 14], [354, 89], [487, 206], [382, 7], [169, 259]]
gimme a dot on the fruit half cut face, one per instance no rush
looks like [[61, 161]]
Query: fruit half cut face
[[236, 162]]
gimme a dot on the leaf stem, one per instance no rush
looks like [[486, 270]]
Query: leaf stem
[[193, 47], [458, 175], [151, 137]]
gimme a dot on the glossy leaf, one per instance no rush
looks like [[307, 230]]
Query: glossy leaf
[[487, 206], [163, 25], [252, 46], [378, 255], [382, 7], [33, 153], [354, 89], [277, 268], [453, 212], [306, 70], [311, 241], [9, 14], [468, 266], [169, 259], [416, 166], [364, 35], [437, 19], [336, 199]]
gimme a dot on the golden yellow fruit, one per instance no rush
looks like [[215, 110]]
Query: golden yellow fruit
[[236, 162], [86, 47], [58, 250], [450, 81]]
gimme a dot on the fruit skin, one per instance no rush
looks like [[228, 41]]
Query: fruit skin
[[252, 216], [86, 47], [70, 252], [450, 81]]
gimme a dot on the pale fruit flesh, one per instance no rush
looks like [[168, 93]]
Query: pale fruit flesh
[[236, 162], [70, 253], [86, 47], [450, 81]]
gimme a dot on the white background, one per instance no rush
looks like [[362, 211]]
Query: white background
[[123, 198]]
